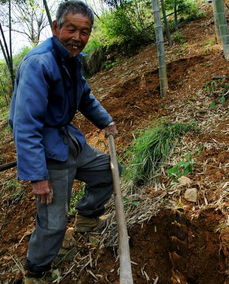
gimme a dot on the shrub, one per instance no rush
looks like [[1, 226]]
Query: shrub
[[5, 81], [92, 45], [130, 25], [178, 38], [5, 85]]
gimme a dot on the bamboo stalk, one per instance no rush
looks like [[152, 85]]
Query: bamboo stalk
[[221, 26], [160, 48]]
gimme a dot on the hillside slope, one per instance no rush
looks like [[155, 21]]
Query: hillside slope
[[172, 240]]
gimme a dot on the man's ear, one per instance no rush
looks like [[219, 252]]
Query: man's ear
[[55, 29]]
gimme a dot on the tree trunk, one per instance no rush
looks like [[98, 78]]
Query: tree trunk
[[216, 24], [160, 48], [221, 25], [168, 35]]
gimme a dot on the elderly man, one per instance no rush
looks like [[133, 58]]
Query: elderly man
[[51, 152]]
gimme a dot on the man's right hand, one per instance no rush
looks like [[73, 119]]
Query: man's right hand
[[43, 191]]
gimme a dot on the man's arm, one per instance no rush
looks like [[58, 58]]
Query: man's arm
[[29, 109]]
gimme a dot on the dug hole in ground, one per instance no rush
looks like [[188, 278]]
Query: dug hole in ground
[[178, 230]]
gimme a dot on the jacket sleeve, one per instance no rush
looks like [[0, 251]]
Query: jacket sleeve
[[29, 110], [92, 109]]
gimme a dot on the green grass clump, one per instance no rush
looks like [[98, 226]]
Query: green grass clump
[[150, 150]]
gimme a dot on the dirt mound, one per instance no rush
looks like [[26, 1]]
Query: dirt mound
[[170, 249]]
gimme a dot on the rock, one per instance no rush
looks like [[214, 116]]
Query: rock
[[184, 180], [191, 194]]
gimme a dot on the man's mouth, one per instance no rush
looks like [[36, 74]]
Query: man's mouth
[[74, 46]]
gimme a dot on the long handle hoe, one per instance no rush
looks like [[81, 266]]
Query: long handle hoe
[[124, 252]]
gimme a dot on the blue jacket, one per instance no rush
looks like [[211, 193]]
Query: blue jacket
[[45, 99]]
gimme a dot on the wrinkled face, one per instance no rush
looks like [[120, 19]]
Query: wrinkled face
[[74, 33]]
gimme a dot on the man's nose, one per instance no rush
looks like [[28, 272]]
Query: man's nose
[[76, 35]]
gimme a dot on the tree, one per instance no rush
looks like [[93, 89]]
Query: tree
[[31, 17], [221, 25], [28, 17], [160, 48], [181, 8]]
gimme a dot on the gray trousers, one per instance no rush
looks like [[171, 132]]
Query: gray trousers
[[90, 166]]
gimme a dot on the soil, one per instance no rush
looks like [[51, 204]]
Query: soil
[[184, 241]]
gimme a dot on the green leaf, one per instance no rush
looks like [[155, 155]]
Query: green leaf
[[212, 105], [222, 100]]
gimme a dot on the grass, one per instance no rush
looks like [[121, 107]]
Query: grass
[[218, 90], [76, 196], [5, 131], [178, 38], [13, 192], [4, 113], [150, 150]]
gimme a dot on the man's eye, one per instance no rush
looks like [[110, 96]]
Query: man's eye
[[71, 31], [84, 33]]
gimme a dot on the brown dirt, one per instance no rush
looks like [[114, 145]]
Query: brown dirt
[[184, 242]]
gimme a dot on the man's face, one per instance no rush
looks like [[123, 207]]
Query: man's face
[[74, 33]]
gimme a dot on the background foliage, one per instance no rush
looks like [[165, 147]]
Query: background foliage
[[119, 31]]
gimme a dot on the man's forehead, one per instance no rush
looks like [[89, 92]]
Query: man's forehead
[[71, 18]]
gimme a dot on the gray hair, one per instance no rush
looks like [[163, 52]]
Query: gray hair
[[74, 7]]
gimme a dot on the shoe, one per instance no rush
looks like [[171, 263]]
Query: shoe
[[29, 279], [85, 224]]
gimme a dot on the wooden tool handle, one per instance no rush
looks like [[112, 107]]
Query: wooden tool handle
[[124, 252]]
